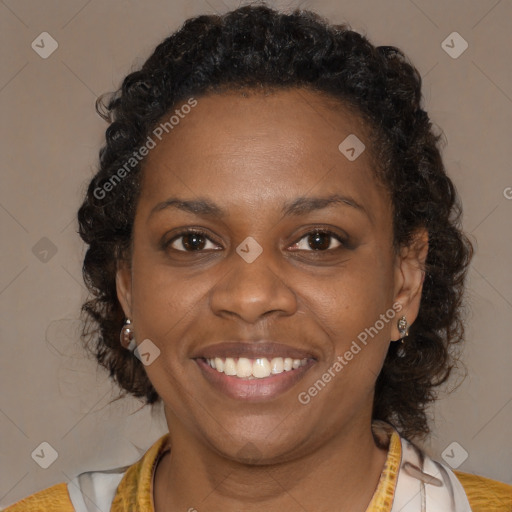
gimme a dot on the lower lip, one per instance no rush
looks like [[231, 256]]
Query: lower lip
[[255, 390]]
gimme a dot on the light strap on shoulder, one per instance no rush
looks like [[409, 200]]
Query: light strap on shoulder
[[425, 485], [94, 491]]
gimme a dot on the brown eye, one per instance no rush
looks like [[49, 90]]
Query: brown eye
[[191, 242], [318, 241]]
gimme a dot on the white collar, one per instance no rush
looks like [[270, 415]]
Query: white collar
[[425, 485]]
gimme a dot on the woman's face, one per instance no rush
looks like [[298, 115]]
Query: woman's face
[[291, 258]]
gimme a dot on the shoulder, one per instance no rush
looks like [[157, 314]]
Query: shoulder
[[114, 489], [53, 499], [484, 494]]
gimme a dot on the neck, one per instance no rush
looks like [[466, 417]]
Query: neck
[[340, 475]]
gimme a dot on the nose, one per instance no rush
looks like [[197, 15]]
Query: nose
[[251, 291]]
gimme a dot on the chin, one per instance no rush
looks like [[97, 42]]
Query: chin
[[257, 442]]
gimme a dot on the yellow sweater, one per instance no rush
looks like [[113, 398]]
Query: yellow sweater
[[135, 491]]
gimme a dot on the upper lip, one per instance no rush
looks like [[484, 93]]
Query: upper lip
[[252, 350]]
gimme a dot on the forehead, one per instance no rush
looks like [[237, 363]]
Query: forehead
[[255, 146]]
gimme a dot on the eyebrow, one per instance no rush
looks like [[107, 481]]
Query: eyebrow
[[201, 206], [303, 205], [299, 206]]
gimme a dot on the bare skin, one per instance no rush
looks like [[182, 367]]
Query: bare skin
[[251, 156]]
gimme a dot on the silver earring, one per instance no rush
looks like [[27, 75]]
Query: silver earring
[[403, 329], [127, 336]]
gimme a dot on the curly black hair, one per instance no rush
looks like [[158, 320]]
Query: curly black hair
[[258, 48]]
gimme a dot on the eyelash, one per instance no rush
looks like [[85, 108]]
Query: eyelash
[[342, 241]]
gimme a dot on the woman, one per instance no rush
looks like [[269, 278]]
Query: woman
[[271, 210]]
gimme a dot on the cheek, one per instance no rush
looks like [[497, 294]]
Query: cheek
[[353, 298], [348, 307], [163, 301], [165, 308]]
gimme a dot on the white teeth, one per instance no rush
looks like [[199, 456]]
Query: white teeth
[[219, 364], [277, 365], [260, 368], [230, 366], [244, 367]]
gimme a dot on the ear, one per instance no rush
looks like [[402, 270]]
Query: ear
[[124, 287], [409, 276]]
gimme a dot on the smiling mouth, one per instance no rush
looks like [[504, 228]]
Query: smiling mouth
[[250, 369], [257, 371], [255, 380]]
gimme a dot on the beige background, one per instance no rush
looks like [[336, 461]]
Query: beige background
[[50, 137]]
